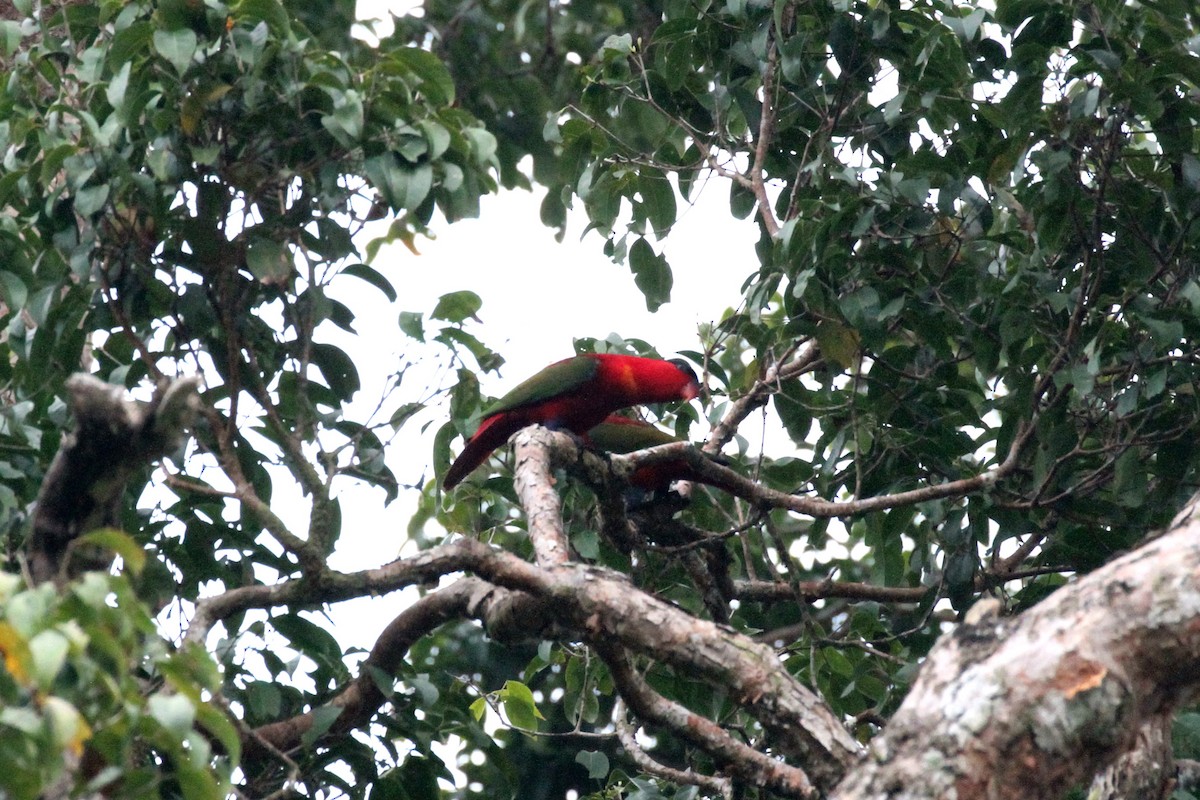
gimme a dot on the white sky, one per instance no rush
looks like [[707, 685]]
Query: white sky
[[538, 295]]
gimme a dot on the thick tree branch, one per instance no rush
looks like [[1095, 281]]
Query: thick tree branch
[[1062, 690], [605, 606], [535, 490], [507, 616], [113, 437]]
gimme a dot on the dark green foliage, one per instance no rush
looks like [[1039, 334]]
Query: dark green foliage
[[984, 222]]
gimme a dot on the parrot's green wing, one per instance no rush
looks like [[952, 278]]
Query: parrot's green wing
[[624, 435], [558, 379]]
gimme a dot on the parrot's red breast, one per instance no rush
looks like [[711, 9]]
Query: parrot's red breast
[[574, 394]]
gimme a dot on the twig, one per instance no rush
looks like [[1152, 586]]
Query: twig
[[738, 759], [686, 777]]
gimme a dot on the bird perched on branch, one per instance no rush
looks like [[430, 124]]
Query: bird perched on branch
[[620, 434], [574, 394]]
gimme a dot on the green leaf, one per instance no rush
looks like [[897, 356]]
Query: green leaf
[[479, 708], [264, 700], [10, 36], [48, 652], [269, 261], [91, 199], [652, 274], [218, 725], [373, 277], [404, 186], [177, 46], [15, 292], [413, 324], [616, 46], [519, 707], [458, 307], [272, 12], [659, 200], [121, 543], [437, 136], [434, 79], [1185, 735], [741, 200], [338, 370], [323, 719], [595, 762], [173, 711], [118, 86]]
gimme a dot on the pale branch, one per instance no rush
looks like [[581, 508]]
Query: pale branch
[[766, 131], [562, 450], [323, 527], [112, 438], [309, 556], [605, 605], [735, 758], [535, 491], [1062, 690], [683, 777], [511, 616]]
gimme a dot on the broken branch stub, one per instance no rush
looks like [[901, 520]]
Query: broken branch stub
[[113, 436]]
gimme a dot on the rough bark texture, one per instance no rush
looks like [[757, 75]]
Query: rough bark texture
[[1146, 772], [1025, 708]]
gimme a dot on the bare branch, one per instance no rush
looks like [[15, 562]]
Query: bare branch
[[781, 369], [766, 132], [736, 758], [774, 591], [760, 495], [535, 490], [683, 777]]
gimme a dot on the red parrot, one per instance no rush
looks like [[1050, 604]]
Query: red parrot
[[618, 434], [575, 394]]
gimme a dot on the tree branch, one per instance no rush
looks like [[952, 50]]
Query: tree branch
[[814, 507], [736, 758], [113, 437], [684, 777], [1061, 690], [535, 491], [362, 698]]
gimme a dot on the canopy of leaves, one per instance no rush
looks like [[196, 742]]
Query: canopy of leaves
[[978, 257]]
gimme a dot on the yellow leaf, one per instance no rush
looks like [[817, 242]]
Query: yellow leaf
[[15, 650], [70, 728]]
